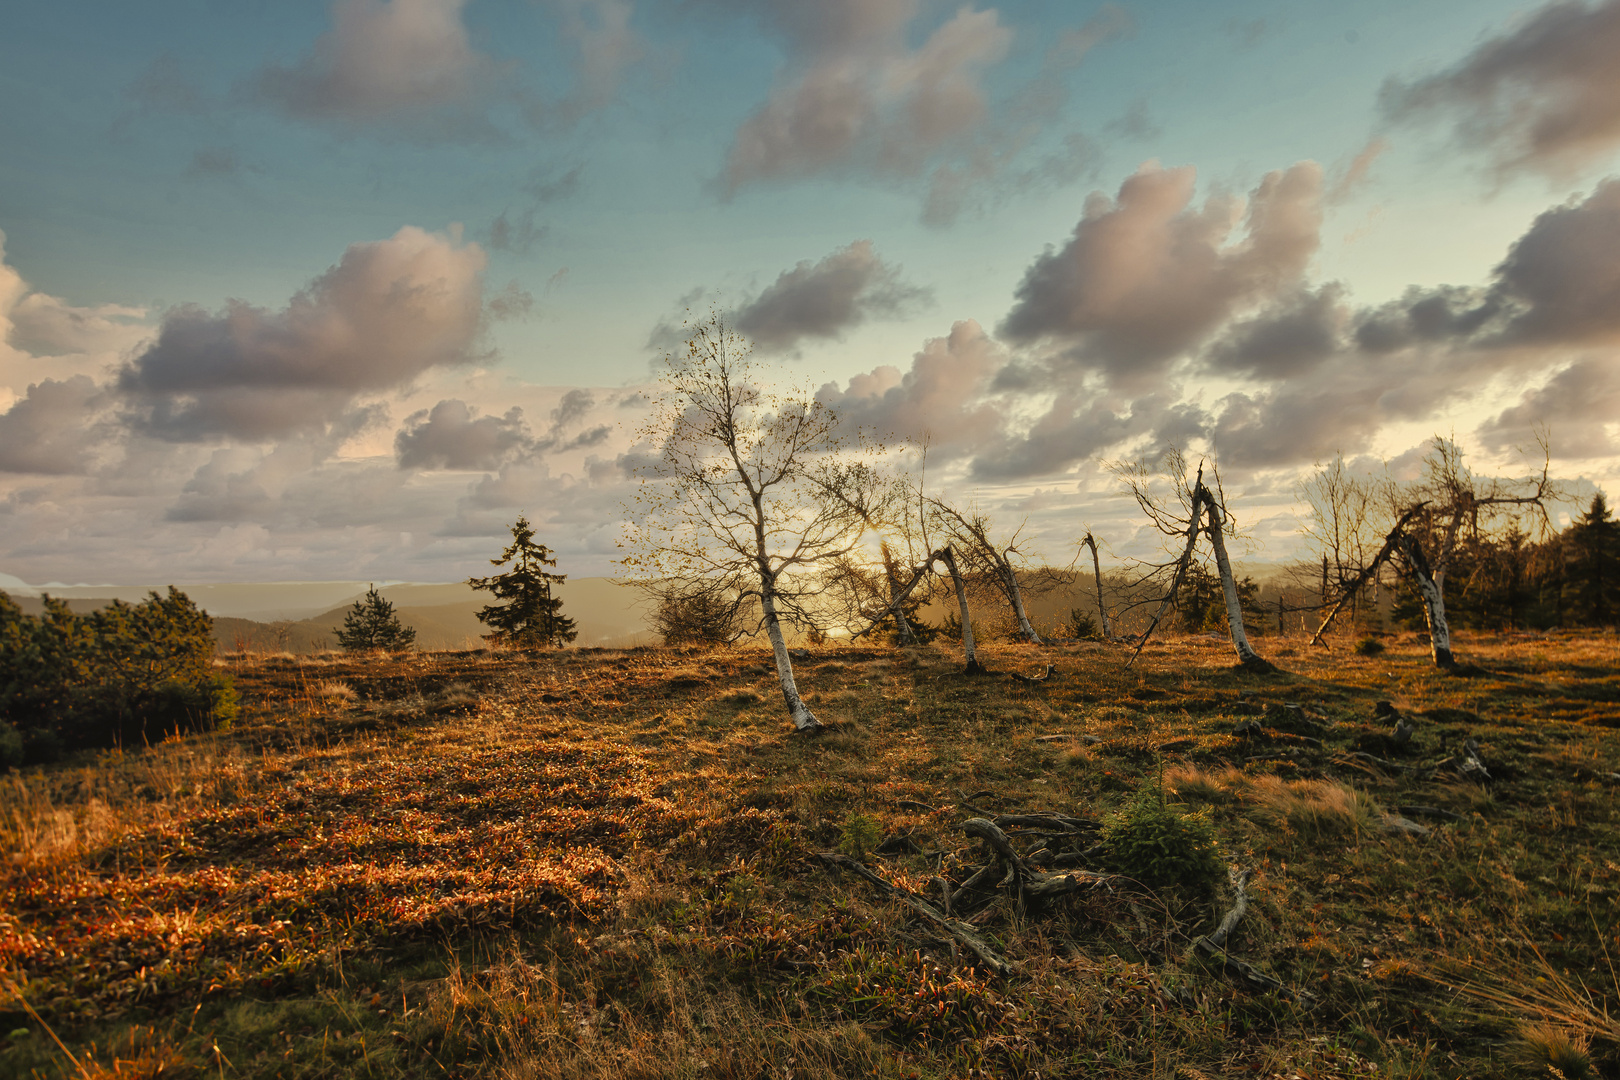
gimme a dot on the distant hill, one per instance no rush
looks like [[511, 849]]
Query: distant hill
[[444, 616]]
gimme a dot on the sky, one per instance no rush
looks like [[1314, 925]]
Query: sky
[[335, 290]]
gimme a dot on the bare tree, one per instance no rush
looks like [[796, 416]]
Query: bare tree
[[747, 494], [1090, 541], [1447, 505], [981, 555], [1189, 511]]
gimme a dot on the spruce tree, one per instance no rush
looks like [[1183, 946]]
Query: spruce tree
[[372, 624], [531, 617], [1592, 567]]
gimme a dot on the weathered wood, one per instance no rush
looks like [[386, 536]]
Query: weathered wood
[[1034, 680], [1223, 566], [1096, 576], [970, 655], [1181, 569], [958, 929], [917, 575], [1047, 821], [1214, 946], [1434, 601], [1365, 575]]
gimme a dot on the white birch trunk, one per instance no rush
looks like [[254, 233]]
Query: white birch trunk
[[803, 718], [1429, 587], [1016, 595], [970, 655], [1234, 607], [902, 628]]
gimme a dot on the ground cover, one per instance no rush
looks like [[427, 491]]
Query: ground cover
[[605, 863]]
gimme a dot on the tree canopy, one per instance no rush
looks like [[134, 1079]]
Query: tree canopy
[[372, 624], [531, 617]]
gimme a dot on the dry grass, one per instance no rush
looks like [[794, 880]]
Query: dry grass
[[598, 864]]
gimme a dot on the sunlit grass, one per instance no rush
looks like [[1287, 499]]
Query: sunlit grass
[[599, 864]]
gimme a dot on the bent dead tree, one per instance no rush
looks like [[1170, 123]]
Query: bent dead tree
[[1204, 515], [1096, 574], [971, 540]]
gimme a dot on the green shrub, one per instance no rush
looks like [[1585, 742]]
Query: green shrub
[[1081, 626], [859, 835], [127, 674], [1369, 646], [1150, 841], [11, 747]]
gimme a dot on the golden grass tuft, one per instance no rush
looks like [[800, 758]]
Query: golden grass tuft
[[1550, 1050], [1310, 807]]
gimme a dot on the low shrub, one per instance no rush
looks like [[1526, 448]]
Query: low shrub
[[126, 674], [1369, 646], [1149, 840]]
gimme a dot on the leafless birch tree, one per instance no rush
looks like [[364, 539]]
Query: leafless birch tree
[[747, 497]]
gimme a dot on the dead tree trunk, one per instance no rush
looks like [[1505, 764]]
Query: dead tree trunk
[[970, 655], [1015, 595], [917, 574], [1234, 606], [902, 628], [1434, 601], [803, 718], [1096, 576], [1193, 519], [1390, 545]]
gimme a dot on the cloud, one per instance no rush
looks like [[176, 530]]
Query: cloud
[[518, 237], [1561, 279], [390, 62], [1542, 97], [1147, 276], [453, 436], [545, 187], [858, 95], [608, 47], [388, 312], [51, 430], [1286, 339], [48, 325], [1579, 405], [942, 399], [827, 298]]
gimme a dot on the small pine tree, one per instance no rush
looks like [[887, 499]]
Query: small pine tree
[[372, 624], [532, 617], [1592, 566]]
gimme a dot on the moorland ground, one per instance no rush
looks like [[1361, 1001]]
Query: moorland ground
[[605, 864]]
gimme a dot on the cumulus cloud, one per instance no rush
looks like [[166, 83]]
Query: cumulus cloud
[[52, 429], [942, 399], [388, 312], [453, 436], [1286, 339], [1580, 404], [858, 94], [1544, 96], [1561, 279], [1147, 276], [827, 298], [385, 61]]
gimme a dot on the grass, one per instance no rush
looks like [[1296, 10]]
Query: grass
[[601, 864]]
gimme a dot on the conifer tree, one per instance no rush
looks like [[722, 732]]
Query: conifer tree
[[531, 617], [1592, 566], [372, 624]]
